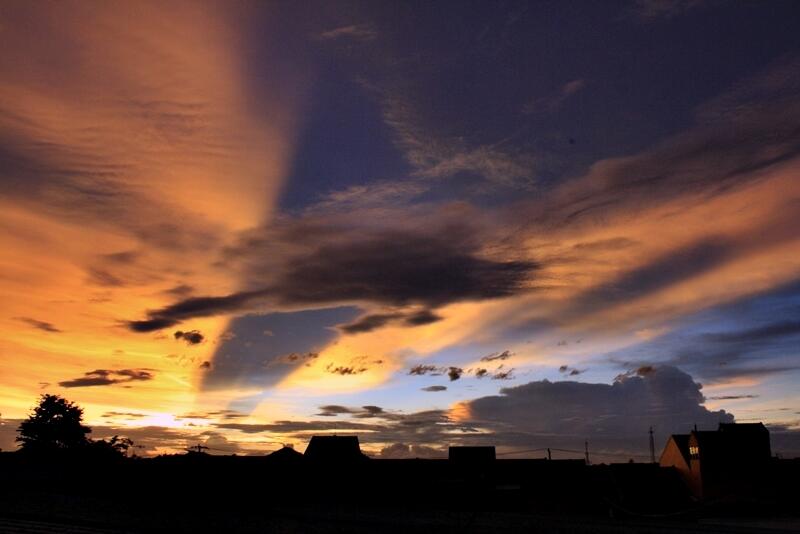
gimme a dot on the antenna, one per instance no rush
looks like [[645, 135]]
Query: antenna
[[652, 447]]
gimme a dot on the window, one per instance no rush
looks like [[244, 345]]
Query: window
[[694, 452]]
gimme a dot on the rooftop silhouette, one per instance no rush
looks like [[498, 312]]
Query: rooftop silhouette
[[724, 472]]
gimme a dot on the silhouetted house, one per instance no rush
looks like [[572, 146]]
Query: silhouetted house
[[334, 449], [471, 455], [730, 460], [676, 454]]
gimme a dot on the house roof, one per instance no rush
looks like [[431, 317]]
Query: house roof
[[707, 438], [743, 441], [334, 448], [743, 428], [682, 442]]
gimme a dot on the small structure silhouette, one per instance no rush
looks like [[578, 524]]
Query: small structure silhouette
[[285, 454], [334, 449]]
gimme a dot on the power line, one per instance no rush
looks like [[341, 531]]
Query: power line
[[575, 451], [521, 452]]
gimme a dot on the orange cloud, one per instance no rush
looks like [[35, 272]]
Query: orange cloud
[[132, 151]]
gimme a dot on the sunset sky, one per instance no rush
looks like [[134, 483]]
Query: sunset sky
[[426, 223]]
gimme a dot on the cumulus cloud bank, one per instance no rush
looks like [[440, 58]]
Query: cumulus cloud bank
[[663, 397]]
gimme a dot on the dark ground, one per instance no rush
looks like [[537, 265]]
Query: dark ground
[[198, 493]]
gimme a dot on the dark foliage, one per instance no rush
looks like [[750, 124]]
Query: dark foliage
[[56, 427], [55, 424], [115, 447]]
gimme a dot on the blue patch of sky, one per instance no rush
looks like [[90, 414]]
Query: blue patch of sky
[[691, 343], [344, 142], [254, 354]]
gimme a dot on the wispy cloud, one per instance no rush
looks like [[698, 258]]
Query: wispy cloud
[[436, 155], [40, 325], [506, 354], [368, 323], [552, 103], [356, 32], [651, 10]]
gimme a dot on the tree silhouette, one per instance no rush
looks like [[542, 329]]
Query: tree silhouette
[[55, 424], [115, 447]]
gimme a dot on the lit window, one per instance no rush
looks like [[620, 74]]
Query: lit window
[[694, 452]]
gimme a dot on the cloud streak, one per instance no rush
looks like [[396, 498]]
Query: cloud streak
[[107, 377], [44, 326], [356, 32], [552, 103], [396, 267]]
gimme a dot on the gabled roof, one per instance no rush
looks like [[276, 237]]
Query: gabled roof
[[682, 443]]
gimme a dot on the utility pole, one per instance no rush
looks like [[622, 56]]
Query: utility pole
[[548, 454], [652, 447], [586, 451]]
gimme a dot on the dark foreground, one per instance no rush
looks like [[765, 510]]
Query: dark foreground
[[198, 493]]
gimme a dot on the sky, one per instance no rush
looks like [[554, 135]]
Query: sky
[[425, 223]]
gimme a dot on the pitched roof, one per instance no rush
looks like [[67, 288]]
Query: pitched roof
[[682, 442]]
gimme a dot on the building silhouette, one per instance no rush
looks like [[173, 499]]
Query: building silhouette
[[730, 460], [285, 454], [334, 449]]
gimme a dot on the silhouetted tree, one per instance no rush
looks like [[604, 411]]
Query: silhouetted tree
[[116, 447], [55, 424]]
